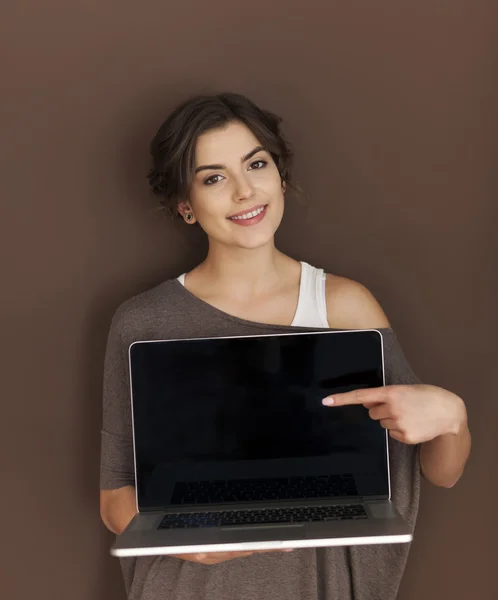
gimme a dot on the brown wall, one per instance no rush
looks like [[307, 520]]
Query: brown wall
[[392, 108]]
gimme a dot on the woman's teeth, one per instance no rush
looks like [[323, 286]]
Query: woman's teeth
[[250, 215]]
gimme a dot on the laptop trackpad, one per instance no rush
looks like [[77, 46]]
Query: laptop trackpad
[[266, 532]]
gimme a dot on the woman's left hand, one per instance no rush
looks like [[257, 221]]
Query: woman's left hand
[[412, 414]]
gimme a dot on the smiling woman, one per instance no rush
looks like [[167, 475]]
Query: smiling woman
[[176, 156], [221, 162], [235, 189], [230, 172]]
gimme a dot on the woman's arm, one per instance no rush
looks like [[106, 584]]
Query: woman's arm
[[350, 305], [420, 414], [443, 459], [118, 507]]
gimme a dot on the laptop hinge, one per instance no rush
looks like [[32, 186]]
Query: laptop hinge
[[260, 504]]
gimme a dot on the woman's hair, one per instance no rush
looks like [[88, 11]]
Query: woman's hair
[[173, 146]]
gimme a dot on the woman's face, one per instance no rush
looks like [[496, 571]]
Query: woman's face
[[237, 195]]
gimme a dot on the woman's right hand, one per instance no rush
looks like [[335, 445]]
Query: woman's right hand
[[215, 558], [118, 507]]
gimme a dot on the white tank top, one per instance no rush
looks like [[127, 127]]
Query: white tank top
[[311, 306]]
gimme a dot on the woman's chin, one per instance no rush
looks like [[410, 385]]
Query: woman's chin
[[255, 244], [250, 238], [254, 239]]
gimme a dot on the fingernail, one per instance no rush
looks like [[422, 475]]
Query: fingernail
[[289, 550], [328, 401]]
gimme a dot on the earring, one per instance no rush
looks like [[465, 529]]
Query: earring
[[189, 217]]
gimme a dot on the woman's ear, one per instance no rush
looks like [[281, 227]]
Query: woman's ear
[[284, 186], [185, 210]]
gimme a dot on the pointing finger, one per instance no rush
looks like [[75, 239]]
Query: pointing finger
[[366, 397]]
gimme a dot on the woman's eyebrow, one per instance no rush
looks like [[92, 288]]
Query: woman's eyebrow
[[243, 159]]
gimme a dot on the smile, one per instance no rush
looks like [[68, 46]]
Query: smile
[[249, 215]]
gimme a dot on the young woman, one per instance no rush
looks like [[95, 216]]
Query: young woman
[[221, 163]]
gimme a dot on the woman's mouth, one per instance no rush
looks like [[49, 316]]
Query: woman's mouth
[[252, 217]]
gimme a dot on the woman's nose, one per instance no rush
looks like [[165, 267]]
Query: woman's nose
[[243, 189]]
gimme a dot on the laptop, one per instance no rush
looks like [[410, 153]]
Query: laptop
[[234, 450]]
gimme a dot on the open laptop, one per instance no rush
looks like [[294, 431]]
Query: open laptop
[[235, 451]]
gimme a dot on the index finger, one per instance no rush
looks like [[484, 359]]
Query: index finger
[[367, 397]]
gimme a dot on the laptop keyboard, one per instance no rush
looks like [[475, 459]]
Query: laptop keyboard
[[306, 514], [248, 490]]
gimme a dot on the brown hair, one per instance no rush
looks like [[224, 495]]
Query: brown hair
[[173, 146]]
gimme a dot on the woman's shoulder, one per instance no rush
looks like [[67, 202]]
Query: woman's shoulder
[[351, 305], [157, 301]]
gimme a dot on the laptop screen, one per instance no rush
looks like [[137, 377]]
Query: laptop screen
[[231, 420]]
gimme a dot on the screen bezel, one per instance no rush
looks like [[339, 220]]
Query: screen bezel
[[272, 335]]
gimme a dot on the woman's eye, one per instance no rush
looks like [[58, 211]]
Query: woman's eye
[[262, 164], [257, 164], [211, 180]]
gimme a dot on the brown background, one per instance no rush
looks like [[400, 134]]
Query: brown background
[[391, 107]]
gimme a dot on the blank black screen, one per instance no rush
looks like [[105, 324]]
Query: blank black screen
[[250, 407]]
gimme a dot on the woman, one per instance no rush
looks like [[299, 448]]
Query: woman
[[221, 163]]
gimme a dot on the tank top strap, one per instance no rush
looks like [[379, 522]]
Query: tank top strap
[[312, 303]]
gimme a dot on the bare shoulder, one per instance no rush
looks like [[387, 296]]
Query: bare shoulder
[[350, 305]]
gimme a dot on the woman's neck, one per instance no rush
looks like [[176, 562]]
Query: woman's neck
[[241, 273]]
